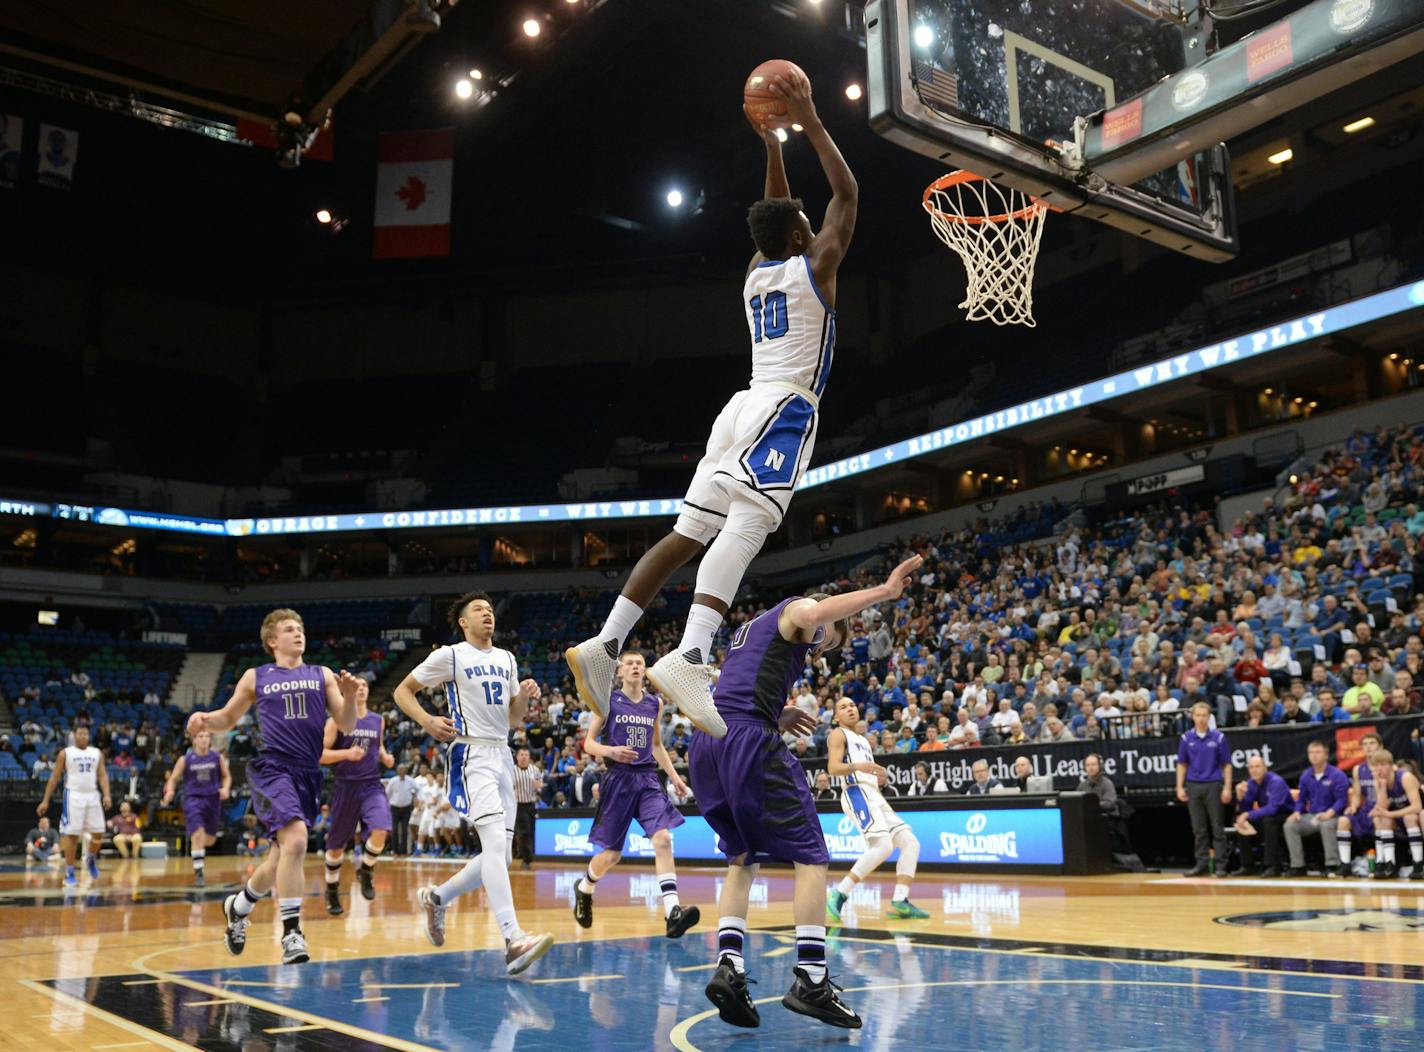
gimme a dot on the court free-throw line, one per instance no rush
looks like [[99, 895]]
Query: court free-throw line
[[212, 1001], [409, 986], [682, 1043], [292, 1029], [153, 1037], [125, 1044], [367, 1000], [572, 979]]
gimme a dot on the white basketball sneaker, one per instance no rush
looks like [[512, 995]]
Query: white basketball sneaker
[[689, 687], [594, 663]]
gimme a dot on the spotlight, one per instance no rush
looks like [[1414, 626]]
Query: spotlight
[[1394, 357], [674, 198], [781, 134], [1282, 156], [323, 215], [1269, 391], [532, 27], [1359, 125], [464, 88], [797, 128], [853, 92], [477, 74], [923, 36]]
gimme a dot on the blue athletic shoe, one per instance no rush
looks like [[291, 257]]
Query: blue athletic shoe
[[835, 902], [70, 880], [93, 867], [904, 909]]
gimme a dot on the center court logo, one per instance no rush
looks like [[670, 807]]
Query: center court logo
[[1333, 920]]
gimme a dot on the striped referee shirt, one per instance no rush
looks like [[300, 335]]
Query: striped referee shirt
[[526, 789]]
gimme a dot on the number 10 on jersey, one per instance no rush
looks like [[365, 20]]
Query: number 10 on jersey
[[769, 318]]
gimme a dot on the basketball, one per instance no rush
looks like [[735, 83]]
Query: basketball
[[763, 107]]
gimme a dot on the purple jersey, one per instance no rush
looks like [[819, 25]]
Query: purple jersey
[[291, 713], [202, 774], [632, 724], [1397, 798], [760, 668], [366, 733]]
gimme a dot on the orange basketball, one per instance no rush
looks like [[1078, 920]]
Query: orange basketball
[[762, 106]]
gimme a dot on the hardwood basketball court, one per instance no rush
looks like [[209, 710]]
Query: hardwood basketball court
[[1138, 961]]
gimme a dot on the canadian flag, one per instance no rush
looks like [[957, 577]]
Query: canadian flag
[[414, 179]]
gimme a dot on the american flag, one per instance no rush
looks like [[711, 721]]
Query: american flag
[[936, 87]]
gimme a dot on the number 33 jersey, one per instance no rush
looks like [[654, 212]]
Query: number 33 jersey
[[291, 712], [479, 686], [632, 724]]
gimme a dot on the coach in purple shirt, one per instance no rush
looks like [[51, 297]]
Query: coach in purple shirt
[[1324, 792], [1260, 816], [1204, 785]]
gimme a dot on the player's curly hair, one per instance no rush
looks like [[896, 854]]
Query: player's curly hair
[[457, 608], [771, 222]]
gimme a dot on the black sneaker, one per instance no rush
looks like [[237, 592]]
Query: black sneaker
[[1344, 872], [1199, 870], [366, 875], [1297, 871], [236, 935], [583, 907], [198, 880], [333, 900], [819, 1001], [679, 920], [1271, 871], [728, 991], [1385, 871], [1416, 872]]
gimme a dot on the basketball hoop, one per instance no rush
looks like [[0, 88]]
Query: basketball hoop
[[996, 231]]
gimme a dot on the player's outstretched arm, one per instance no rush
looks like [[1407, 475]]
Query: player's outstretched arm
[[225, 718], [777, 184], [833, 240], [806, 615], [170, 784]]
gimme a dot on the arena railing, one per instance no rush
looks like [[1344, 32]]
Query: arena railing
[[1145, 725]]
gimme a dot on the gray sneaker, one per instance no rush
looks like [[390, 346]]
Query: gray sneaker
[[688, 686], [294, 948], [520, 953], [434, 915], [594, 663]]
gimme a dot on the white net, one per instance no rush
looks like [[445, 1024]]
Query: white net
[[996, 231]]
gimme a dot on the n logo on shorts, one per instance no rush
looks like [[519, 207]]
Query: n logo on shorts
[[774, 459]]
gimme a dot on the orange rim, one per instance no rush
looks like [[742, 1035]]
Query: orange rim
[[944, 182]]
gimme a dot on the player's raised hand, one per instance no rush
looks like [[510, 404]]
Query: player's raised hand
[[441, 728], [898, 576], [798, 721], [348, 684], [197, 724], [530, 690], [795, 90], [622, 754]]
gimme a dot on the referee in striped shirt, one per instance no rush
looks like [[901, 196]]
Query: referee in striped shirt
[[528, 781]]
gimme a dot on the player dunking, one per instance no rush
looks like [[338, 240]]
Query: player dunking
[[358, 795], [850, 760], [485, 697], [207, 782], [631, 790], [293, 700], [760, 442], [86, 798], [753, 792]]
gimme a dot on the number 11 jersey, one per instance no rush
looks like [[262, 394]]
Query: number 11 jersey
[[479, 685], [291, 713]]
